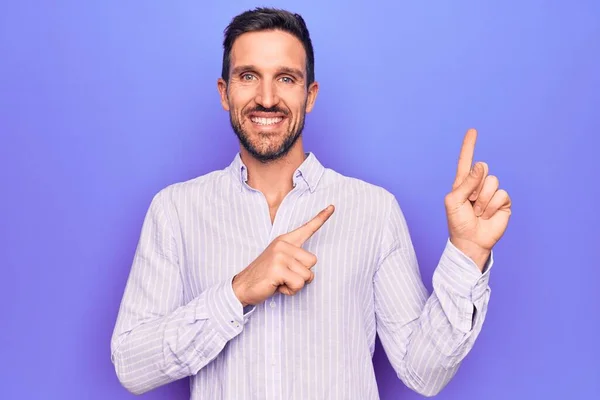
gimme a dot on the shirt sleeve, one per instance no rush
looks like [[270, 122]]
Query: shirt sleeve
[[157, 338], [426, 336]]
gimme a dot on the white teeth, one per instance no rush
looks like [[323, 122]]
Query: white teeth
[[266, 121]]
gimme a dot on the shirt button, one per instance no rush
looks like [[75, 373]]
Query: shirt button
[[273, 362], [273, 304]]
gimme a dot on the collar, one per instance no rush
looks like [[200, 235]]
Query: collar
[[309, 172]]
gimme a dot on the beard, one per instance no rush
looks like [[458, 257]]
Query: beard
[[268, 146]]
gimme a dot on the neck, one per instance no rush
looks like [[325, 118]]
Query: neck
[[274, 178]]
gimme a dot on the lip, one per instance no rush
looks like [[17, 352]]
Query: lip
[[272, 126], [265, 114]]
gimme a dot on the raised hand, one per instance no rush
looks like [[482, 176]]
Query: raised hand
[[283, 266], [476, 209]]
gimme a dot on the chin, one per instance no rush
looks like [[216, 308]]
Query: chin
[[266, 144], [270, 152]]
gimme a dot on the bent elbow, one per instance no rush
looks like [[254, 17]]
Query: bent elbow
[[430, 391], [427, 390], [128, 380], [424, 387], [133, 386]]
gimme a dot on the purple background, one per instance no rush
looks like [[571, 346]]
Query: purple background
[[104, 103]]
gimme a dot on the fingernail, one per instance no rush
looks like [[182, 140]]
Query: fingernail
[[477, 210]]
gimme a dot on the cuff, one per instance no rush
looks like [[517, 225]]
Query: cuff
[[225, 311], [460, 274]]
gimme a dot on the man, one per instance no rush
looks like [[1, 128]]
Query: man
[[269, 279]]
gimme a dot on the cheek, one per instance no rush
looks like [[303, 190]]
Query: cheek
[[297, 112], [237, 109], [239, 98], [240, 93], [295, 101]]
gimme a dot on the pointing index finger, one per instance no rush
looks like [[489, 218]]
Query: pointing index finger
[[300, 235], [465, 159]]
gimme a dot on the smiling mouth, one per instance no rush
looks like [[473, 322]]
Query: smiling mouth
[[261, 121]]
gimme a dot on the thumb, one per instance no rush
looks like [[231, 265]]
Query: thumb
[[470, 184]]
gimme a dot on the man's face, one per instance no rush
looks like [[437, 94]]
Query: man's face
[[267, 97]]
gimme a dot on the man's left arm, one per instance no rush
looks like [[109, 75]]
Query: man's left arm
[[426, 337]]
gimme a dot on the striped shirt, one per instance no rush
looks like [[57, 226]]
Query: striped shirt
[[179, 316]]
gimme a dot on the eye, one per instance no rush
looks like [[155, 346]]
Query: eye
[[287, 79], [247, 77]]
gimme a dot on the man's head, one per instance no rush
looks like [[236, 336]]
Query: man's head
[[267, 81]]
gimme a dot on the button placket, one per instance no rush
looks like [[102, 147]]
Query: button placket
[[273, 306]]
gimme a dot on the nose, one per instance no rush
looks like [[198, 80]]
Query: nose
[[266, 94]]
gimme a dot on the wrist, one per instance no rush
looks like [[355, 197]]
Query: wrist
[[237, 290], [477, 254]]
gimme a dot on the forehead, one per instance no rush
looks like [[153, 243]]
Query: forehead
[[268, 50]]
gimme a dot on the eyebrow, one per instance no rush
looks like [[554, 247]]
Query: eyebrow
[[281, 70]]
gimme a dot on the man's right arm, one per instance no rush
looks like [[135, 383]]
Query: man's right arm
[[157, 338]]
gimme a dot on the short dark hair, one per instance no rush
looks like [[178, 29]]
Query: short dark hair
[[263, 19]]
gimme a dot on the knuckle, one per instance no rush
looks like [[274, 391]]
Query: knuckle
[[278, 245], [307, 276], [449, 199], [277, 268], [278, 257], [292, 290], [493, 180], [297, 283]]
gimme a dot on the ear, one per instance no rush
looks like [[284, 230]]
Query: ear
[[222, 87], [313, 90]]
